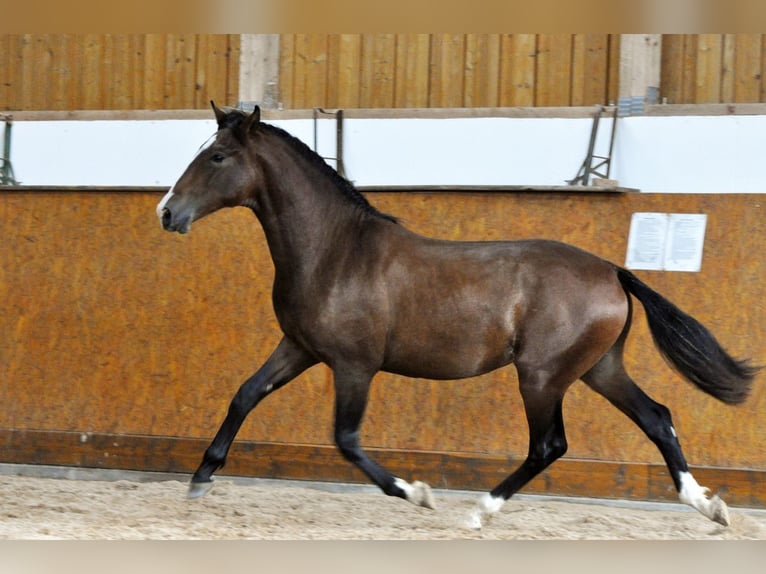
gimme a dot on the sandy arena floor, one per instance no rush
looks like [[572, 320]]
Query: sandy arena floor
[[59, 508]]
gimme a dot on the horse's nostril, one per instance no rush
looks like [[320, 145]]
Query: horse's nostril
[[166, 218]]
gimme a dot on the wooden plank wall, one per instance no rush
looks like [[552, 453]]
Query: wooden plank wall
[[121, 346], [713, 68], [184, 71], [117, 71], [447, 70]]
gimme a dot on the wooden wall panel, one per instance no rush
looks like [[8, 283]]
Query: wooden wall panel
[[713, 68], [185, 71], [447, 70], [118, 71], [413, 53], [110, 325]]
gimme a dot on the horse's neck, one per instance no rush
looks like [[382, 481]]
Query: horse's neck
[[304, 217]]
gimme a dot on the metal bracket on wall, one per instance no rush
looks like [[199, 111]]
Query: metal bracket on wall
[[588, 166], [338, 115], [6, 168]]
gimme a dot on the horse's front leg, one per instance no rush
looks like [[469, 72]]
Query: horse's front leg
[[285, 363], [351, 392]]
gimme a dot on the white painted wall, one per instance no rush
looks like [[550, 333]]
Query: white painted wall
[[679, 154]]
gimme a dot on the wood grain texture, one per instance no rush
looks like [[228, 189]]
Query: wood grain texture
[[449, 70], [713, 68], [110, 325], [117, 71]]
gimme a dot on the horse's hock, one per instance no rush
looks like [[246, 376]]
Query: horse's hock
[[122, 348]]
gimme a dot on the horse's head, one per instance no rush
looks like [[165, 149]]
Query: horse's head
[[219, 176]]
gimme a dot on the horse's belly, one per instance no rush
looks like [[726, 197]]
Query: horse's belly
[[453, 355]]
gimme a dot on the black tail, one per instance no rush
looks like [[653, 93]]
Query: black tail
[[689, 347]]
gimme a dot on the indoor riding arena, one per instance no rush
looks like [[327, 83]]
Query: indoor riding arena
[[123, 345]]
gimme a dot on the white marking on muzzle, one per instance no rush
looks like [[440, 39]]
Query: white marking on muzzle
[[163, 202]]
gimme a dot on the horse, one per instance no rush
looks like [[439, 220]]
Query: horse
[[355, 289]]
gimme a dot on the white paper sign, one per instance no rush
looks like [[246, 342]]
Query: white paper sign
[[686, 236], [662, 241], [646, 241]]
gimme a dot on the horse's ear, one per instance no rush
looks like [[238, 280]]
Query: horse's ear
[[252, 121], [220, 115]]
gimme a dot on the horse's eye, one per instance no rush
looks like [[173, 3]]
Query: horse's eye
[[217, 158]]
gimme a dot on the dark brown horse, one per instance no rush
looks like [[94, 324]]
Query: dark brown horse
[[358, 291]]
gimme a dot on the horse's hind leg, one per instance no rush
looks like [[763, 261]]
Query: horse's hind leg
[[351, 393], [609, 379], [547, 442], [285, 363]]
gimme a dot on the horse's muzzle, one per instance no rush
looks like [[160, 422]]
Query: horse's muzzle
[[171, 223]]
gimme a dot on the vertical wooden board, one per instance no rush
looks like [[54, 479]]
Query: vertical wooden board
[[212, 71], [231, 60], [707, 88], [579, 69], [111, 69], [728, 57], [518, 56], [137, 47], [376, 87], [343, 81], [16, 72], [90, 71], [287, 70], [447, 70], [26, 79], [205, 71], [670, 77], [482, 70], [413, 56], [762, 97], [613, 70], [333, 70], [170, 82], [6, 59], [186, 52], [310, 70], [62, 79], [747, 65], [689, 68], [38, 66], [59, 72], [590, 69], [299, 71], [182, 70], [554, 70], [154, 71]]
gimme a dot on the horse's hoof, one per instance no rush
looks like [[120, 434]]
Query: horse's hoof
[[199, 489], [418, 493], [719, 512], [422, 495], [485, 509]]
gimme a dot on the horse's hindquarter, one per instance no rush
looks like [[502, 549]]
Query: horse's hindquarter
[[459, 309]]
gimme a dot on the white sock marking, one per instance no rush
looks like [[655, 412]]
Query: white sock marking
[[406, 487], [696, 496], [691, 492]]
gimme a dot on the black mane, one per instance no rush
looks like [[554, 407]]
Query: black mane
[[235, 118]]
